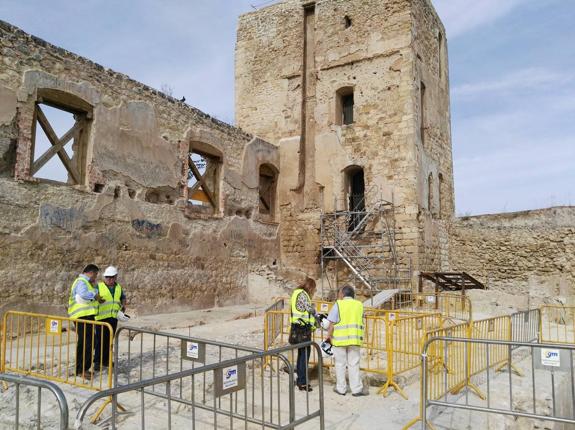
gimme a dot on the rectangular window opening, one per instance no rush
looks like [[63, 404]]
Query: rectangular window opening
[[347, 109], [203, 180], [267, 192], [422, 109], [58, 150]]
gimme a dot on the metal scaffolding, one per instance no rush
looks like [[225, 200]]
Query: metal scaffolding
[[358, 247]]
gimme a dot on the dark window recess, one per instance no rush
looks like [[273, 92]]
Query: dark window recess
[[356, 196], [267, 191], [422, 111], [347, 109], [347, 21]]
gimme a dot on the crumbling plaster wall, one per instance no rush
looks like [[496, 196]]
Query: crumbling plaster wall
[[376, 57], [169, 256], [524, 252]]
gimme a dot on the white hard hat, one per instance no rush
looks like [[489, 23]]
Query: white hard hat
[[110, 271], [325, 323], [122, 316]]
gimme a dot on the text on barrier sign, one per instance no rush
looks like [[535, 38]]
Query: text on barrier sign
[[230, 379], [553, 359], [193, 351], [53, 326], [550, 357]]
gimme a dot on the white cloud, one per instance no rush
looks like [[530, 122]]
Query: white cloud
[[521, 79], [461, 16]]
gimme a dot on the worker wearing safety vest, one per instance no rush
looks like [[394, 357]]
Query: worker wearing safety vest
[[345, 333], [109, 310], [302, 319], [83, 306]]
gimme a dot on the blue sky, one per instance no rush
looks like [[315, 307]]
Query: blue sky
[[512, 71]]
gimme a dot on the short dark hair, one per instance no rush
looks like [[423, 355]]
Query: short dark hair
[[91, 268], [348, 291]]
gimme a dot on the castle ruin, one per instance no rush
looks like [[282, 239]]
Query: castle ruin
[[340, 105]]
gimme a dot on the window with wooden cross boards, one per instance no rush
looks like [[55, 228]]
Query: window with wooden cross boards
[[203, 179], [59, 139]]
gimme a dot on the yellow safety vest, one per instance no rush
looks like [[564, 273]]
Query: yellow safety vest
[[349, 330], [110, 307], [296, 315], [78, 310]]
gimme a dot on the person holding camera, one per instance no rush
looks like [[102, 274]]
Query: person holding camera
[[302, 323]]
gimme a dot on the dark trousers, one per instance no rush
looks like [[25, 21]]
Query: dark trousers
[[84, 345], [102, 340], [302, 365]]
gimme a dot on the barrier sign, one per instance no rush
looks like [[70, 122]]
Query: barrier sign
[[53, 327], [430, 299], [193, 351], [229, 379], [324, 307], [551, 359]]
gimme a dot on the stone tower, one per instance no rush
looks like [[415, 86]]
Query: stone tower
[[356, 95]]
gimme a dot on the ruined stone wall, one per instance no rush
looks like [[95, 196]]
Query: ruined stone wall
[[531, 251], [131, 206], [434, 155], [365, 45]]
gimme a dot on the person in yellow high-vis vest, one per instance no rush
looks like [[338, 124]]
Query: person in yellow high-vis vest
[[303, 320], [83, 306], [345, 333], [114, 300]]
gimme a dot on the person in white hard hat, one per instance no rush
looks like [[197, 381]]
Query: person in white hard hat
[[112, 308]]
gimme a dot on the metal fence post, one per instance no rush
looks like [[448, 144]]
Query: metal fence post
[[424, 387]]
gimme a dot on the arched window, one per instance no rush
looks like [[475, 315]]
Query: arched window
[[267, 191], [355, 191], [59, 137], [204, 162], [344, 106]]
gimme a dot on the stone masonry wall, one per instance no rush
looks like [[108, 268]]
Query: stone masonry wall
[[170, 256], [434, 155], [531, 251], [364, 45]]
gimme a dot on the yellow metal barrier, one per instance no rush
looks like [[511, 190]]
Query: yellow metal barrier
[[4, 383], [451, 306], [391, 343], [451, 365], [44, 346], [404, 334], [557, 324]]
